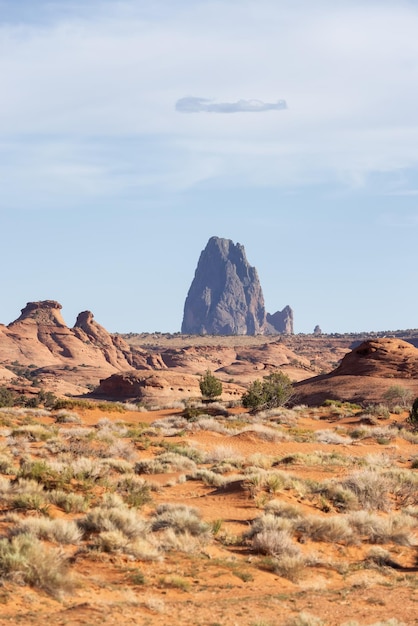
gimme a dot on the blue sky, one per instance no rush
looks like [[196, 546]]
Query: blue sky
[[109, 192]]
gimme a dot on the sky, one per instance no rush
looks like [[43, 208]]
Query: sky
[[133, 131]]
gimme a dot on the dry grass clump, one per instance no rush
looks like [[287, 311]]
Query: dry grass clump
[[280, 415], [104, 518], [6, 464], [122, 450], [371, 488], [67, 417], [331, 437], [380, 434], [283, 509], [114, 541], [404, 486], [335, 529], [182, 527], [69, 502], [119, 465], [134, 490], [375, 529], [25, 559], [55, 530], [271, 481], [166, 462], [265, 433], [34, 432], [208, 477], [115, 528], [224, 454], [270, 535], [317, 458]]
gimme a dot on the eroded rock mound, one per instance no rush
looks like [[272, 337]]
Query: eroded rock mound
[[365, 373], [385, 357], [225, 297]]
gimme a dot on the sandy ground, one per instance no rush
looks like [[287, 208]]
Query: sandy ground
[[224, 583]]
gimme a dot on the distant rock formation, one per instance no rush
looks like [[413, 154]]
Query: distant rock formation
[[225, 297], [281, 321]]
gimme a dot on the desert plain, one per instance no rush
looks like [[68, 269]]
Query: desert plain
[[163, 507]]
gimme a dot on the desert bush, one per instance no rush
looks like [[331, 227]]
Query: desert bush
[[166, 462], [210, 386], [274, 543], [375, 529], [169, 539], [283, 509], [380, 411], [185, 450], [116, 541], [335, 529], [404, 486], [331, 437], [341, 497], [208, 477], [70, 502], [224, 453], [134, 490], [371, 489], [273, 391], [29, 502], [118, 465], [268, 522], [181, 519], [67, 417], [25, 558], [267, 537], [398, 395], [56, 530], [6, 464], [34, 432], [103, 519]]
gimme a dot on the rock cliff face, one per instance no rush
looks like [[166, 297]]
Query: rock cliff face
[[225, 297]]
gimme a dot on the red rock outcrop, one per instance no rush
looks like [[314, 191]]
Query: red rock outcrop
[[365, 374], [157, 387], [40, 337]]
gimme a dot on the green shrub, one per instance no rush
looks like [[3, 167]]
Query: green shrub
[[210, 386], [274, 390]]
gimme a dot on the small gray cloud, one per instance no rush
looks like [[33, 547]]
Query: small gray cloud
[[191, 104]]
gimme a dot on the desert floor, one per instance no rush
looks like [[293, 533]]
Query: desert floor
[[102, 498]]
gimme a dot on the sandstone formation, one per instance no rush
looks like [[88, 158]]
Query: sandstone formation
[[225, 297], [40, 338], [365, 373], [158, 387]]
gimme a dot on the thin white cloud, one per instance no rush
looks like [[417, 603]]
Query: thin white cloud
[[192, 104]]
